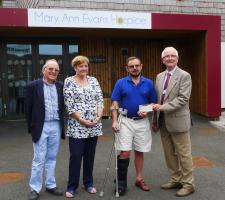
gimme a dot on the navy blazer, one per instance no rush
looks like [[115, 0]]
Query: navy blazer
[[35, 108]]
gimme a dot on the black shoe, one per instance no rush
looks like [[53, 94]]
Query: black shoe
[[122, 175], [33, 195], [55, 191], [122, 191]]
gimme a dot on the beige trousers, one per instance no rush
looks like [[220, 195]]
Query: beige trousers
[[177, 151]]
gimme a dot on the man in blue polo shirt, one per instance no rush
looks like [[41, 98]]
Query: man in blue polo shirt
[[129, 93]]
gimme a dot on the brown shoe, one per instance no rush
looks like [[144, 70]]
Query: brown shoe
[[142, 185], [185, 191], [171, 185]]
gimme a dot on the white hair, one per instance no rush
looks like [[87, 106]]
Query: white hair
[[47, 63], [169, 49]]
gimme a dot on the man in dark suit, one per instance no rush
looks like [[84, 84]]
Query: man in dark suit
[[173, 88], [44, 113]]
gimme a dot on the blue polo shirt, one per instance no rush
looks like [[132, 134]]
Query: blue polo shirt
[[130, 96]]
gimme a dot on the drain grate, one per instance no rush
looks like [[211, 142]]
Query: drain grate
[[202, 162], [208, 130], [9, 177]]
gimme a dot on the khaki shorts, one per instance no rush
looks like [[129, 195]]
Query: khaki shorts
[[134, 134]]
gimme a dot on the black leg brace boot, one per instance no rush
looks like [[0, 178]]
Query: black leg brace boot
[[122, 175]]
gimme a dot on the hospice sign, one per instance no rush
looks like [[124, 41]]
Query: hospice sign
[[88, 19]]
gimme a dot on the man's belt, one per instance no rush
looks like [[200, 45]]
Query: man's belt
[[133, 118]]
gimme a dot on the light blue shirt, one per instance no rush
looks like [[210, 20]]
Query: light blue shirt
[[51, 102]]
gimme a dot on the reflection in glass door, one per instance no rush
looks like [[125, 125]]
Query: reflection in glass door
[[19, 74], [73, 51], [22, 63], [50, 51]]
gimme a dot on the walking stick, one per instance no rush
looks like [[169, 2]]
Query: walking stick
[[116, 163], [101, 194], [113, 149]]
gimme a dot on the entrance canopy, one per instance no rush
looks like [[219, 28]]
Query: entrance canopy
[[205, 66]]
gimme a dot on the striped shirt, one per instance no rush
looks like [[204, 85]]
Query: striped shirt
[[51, 102]]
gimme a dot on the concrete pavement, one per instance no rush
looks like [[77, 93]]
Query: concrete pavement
[[208, 154]]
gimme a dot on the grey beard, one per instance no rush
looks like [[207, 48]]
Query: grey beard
[[135, 75]]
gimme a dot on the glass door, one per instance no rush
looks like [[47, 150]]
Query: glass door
[[18, 75], [50, 51], [73, 51], [21, 62]]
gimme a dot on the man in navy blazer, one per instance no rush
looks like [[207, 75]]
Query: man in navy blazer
[[44, 113]]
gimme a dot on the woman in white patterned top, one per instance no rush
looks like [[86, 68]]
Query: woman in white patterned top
[[84, 102]]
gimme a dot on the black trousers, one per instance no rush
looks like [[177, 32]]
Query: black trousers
[[81, 148]]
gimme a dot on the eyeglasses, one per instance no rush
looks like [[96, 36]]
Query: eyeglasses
[[170, 56], [132, 66], [52, 69]]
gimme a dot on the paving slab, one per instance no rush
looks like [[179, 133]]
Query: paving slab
[[208, 147]]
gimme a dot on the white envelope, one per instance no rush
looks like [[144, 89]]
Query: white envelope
[[145, 108]]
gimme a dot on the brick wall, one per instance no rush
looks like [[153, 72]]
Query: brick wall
[[9, 3], [27, 3], [212, 7]]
